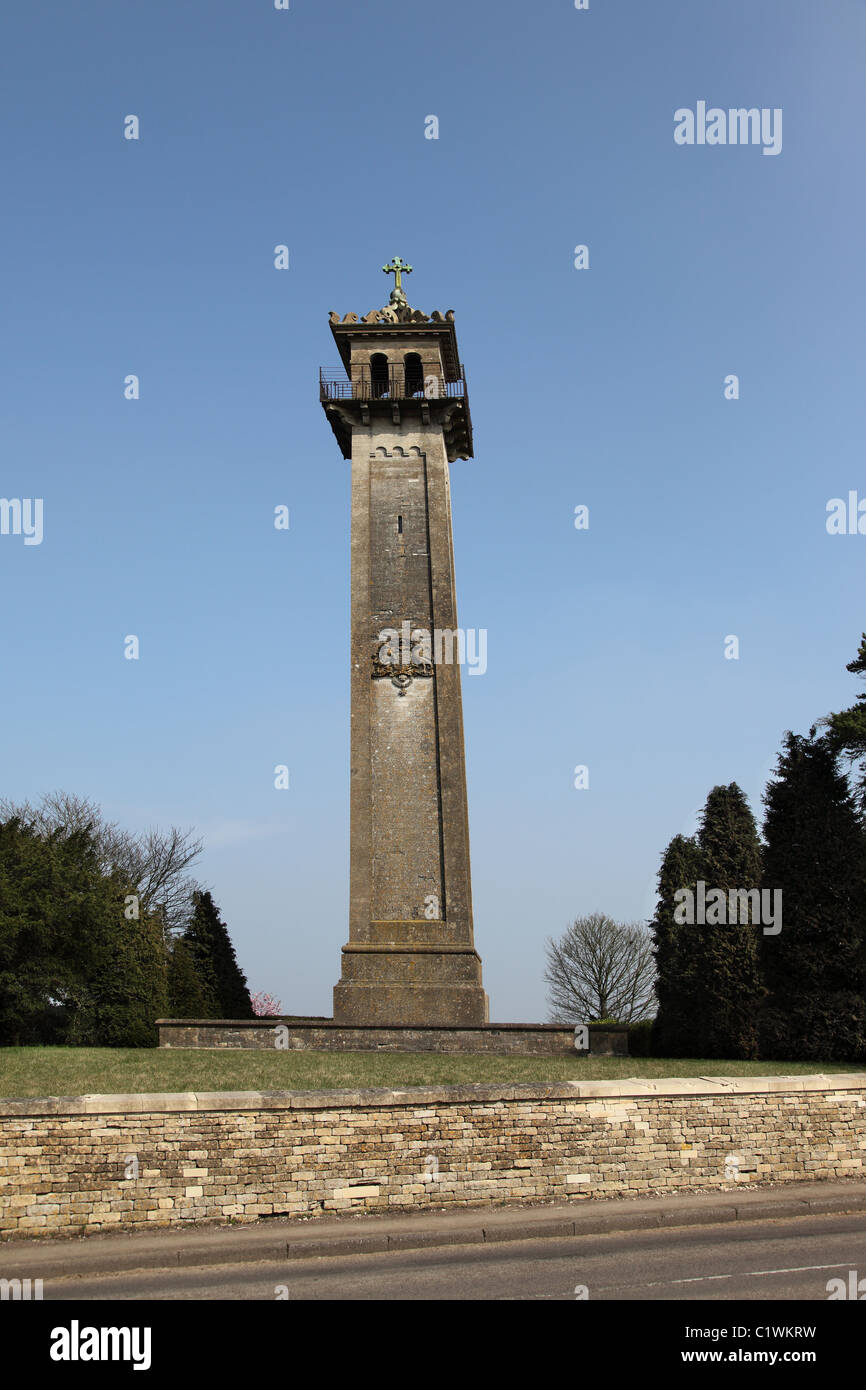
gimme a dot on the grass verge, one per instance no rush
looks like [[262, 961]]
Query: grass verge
[[71, 1071]]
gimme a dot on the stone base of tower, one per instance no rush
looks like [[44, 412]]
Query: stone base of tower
[[408, 987]]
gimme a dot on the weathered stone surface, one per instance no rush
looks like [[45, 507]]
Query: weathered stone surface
[[424, 1147], [410, 959], [513, 1039]]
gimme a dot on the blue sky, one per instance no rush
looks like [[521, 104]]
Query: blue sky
[[601, 387]]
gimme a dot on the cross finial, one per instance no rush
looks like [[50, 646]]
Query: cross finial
[[397, 267]]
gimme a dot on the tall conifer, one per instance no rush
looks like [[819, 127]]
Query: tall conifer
[[815, 853], [208, 940], [728, 987], [674, 1028], [847, 729]]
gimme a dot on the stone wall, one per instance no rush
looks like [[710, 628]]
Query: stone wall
[[324, 1035], [91, 1162]]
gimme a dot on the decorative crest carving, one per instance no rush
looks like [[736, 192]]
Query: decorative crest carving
[[402, 656], [395, 312]]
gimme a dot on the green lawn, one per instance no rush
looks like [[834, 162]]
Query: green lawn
[[68, 1071]]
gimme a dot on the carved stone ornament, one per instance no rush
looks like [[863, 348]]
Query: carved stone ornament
[[389, 661], [394, 313]]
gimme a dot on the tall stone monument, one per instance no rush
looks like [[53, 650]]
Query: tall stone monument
[[401, 414]]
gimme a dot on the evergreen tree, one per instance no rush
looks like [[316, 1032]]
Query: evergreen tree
[[209, 943], [673, 1029], [73, 968], [122, 985], [190, 994], [814, 968], [29, 887], [847, 730], [727, 984]]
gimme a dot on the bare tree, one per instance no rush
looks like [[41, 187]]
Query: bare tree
[[154, 862], [600, 968]]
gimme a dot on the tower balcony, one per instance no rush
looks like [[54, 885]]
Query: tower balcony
[[428, 399]]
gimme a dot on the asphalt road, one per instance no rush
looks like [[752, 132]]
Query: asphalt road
[[789, 1258]]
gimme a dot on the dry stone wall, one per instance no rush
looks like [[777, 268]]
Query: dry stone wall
[[94, 1162]]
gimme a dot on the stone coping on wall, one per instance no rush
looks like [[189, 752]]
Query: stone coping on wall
[[303, 1021], [385, 1097]]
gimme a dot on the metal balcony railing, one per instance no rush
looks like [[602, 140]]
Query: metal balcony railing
[[394, 384]]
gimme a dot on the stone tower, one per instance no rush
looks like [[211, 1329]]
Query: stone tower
[[401, 414]]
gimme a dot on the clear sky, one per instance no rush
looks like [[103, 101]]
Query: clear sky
[[602, 387]]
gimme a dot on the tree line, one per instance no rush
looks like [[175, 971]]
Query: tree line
[[103, 931], [758, 943]]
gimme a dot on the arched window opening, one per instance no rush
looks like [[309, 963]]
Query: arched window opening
[[414, 374], [379, 374]]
